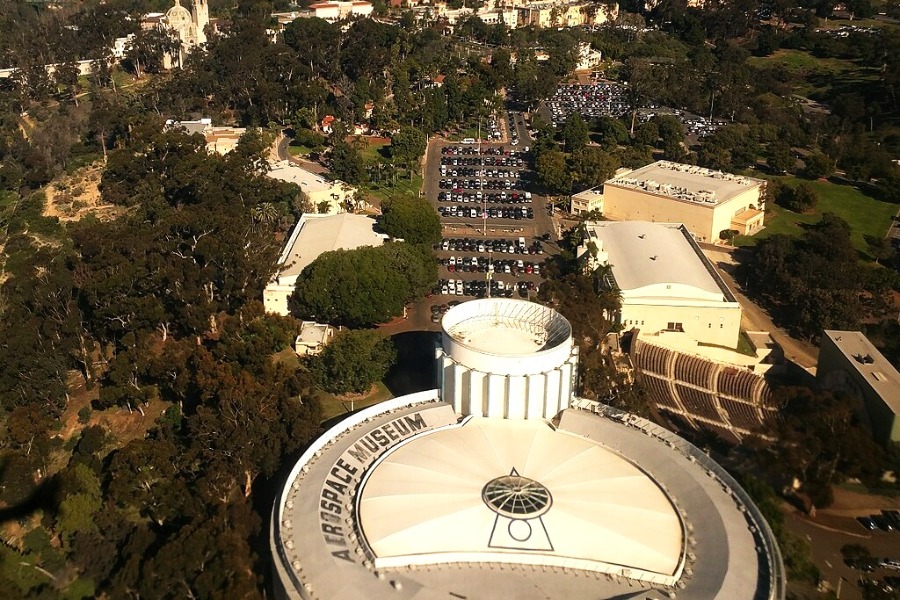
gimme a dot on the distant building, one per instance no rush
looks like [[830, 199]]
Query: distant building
[[566, 14], [329, 11], [189, 26], [313, 236], [588, 58], [849, 362], [325, 196], [665, 281], [219, 140], [707, 202], [313, 338]]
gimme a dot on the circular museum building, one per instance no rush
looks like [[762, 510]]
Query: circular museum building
[[499, 484]]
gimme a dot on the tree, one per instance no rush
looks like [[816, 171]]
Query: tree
[[408, 146], [552, 172], [353, 361], [363, 287], [804, 198], [612, 132], [347, 163], [412, 219], [780, 157], [575, 132], [590, 167], [818, 165]]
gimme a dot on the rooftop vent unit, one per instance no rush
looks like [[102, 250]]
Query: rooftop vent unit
[[864, 359]]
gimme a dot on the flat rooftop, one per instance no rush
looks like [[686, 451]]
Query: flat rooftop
[[307, 180], [870, 363], [317, 234], [643, 254], [688, 183]]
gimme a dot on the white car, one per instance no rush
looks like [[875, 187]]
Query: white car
[[459, 287]]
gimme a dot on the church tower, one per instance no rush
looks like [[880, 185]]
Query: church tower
[[200, 16]]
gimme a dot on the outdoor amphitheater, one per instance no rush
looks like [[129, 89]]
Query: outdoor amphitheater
[[500, 484]]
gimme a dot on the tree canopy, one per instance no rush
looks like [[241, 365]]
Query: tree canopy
[[411, 219], [353, 361], [365, 286]]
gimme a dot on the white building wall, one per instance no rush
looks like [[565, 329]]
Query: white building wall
[[481, 394]]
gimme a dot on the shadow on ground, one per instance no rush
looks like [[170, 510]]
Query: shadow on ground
[[414, 370]]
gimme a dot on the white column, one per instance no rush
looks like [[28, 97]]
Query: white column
[[475, 395], [565, 386], [551, 394], [496, 396], [459, 390], [515, 397], [536, 387]]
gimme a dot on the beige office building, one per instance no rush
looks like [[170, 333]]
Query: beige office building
[[665, 281], [707, 202], [848, 362]]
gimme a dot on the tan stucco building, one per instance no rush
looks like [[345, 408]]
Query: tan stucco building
[[848, 362], [706, 201], [665, 281]]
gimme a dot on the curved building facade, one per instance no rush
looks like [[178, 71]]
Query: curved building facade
[[506, 358], [442, 495]]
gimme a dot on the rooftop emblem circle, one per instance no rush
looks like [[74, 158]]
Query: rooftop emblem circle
[[517, 497]]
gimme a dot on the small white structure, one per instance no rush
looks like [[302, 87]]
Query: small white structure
[[508, 359], [313, 236], [587, 201], [313, 338], [325, 196]]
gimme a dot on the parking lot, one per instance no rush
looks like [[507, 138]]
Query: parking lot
[[590, 100], [496, 231]]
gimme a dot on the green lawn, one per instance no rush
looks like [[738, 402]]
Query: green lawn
[[332, 405], [866, 215], [469, 132], [818, 78], [295, 149], [375, 151], [403, 186]]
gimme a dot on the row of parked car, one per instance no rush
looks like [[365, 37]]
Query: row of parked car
[[481, 264], [471, 149], [493, 198], [888, 520], [478, 161], [493, 245], [465, 212], [480, 173], [475, 184], [478, 288]]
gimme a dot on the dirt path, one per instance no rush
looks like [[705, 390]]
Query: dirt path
[[71, 197]]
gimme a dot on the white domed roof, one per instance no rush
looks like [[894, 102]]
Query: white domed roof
[[498, 487]]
